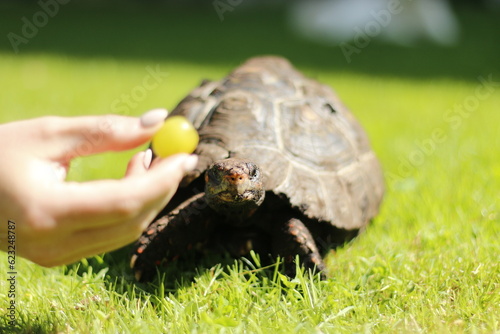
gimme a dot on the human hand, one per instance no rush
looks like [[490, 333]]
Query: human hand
[[59, 222]]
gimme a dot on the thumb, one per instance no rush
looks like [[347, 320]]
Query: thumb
[[95, 134]]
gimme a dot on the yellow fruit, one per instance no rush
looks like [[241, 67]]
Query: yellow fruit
[[177, 135]]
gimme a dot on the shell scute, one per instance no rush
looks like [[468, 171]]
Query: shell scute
[[308, 145]]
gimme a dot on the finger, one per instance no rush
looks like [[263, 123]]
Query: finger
[[135, 165], [139, 164], [81, 136], [103, 202], [89, 242]]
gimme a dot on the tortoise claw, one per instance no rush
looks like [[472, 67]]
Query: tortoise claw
[[138, 275], [133, 258]]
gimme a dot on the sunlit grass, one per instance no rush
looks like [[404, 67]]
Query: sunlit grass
[[428, 263]]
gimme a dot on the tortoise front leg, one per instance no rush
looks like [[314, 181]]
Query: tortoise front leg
[[293, 238], [171, 236]]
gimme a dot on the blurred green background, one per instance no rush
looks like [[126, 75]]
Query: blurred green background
[[156, 31]]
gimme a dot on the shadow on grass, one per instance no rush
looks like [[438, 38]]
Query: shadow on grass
[[194, 33], [177, 275]]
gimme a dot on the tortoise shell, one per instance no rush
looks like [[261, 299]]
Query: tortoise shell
[[308, 145]]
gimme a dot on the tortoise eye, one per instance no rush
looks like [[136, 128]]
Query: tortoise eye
[[254, 173], [213, 175]]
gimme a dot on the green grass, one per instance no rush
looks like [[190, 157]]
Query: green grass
[[428, 263]]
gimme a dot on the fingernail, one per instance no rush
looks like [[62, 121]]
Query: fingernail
[[153, 117], [190, 163], [148, 157]]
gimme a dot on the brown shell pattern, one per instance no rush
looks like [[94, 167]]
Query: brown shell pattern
[[307, 143]]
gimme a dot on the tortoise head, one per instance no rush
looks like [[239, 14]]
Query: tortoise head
[[234, 188]]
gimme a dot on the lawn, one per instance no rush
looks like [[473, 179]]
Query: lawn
[[428, 263]]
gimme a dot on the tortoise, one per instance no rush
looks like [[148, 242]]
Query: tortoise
[[284, 169]]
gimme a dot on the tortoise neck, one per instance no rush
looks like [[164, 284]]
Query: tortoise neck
[[236, 213]]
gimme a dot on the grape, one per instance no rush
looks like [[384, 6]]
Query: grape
[[177, 135]]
